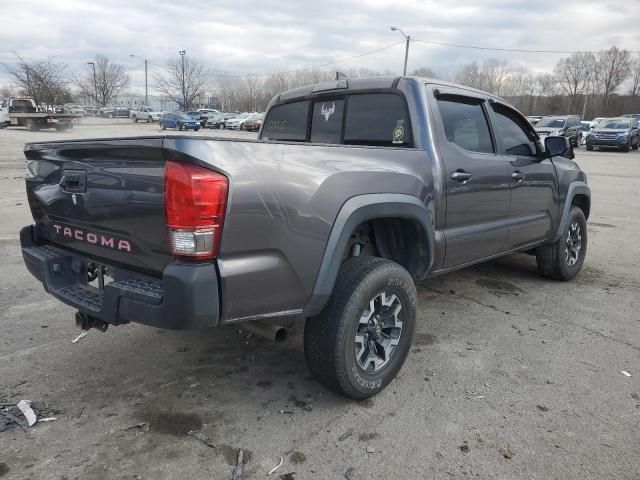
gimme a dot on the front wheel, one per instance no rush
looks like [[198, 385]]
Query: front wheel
[[589, 148], [563, 259], [626, 148], [135, 119], [359, 342], [162, 126]]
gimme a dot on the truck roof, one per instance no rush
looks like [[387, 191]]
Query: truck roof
[[352, 85]]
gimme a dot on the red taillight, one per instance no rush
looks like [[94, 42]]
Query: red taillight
[[195, 200]]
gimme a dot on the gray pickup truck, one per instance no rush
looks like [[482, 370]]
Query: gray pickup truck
[[354, 190]]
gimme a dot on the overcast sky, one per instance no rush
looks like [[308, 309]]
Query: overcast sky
[[246, 36]]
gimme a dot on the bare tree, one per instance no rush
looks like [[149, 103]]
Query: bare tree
[[184, 81], [494, 73], [470, 76], [44, 80], [425, 72], [573, 75], [109, 82], [612, 69], [635, 76]]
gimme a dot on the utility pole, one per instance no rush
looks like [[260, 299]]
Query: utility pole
[[95, 83], [406, 49], [184, 90], [146, 82]]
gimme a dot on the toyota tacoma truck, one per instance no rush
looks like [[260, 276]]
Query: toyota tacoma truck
[[353, 191]]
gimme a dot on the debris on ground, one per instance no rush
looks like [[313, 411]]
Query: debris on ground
[[348, 475], [625, 373], [286, 412], [345, 435], [297, 458], [202, 438], [464, 448], [47, 419], [276, 467], [80, 337], [237, 471], [506, 453], [144, 426], [288, 476], [27, 411], [371, 449]]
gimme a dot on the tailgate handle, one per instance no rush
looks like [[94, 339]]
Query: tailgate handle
[[74, 181]]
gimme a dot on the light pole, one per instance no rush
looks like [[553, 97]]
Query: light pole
[[146, 84], [406, 50], [184, 91], [95, 84]]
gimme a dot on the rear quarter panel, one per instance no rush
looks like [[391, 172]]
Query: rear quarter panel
[[283, 200]]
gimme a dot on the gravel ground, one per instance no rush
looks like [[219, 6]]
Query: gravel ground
[[511, 375]]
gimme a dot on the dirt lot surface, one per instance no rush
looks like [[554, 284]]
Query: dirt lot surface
[[511, 375]]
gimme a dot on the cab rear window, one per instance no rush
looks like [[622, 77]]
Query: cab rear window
[[287, 122], [369, 119]]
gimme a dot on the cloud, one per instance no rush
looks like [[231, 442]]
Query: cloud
[[245, 36]]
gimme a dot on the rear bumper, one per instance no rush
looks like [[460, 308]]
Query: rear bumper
[[185, 298]]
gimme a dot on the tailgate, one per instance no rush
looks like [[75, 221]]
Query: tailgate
[[102, 198]]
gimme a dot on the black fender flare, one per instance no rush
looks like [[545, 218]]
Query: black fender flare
[[355, 211], [575, 188]]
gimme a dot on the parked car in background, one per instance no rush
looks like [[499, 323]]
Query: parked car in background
[[586, 128], [179, 121], [632, 115], [114, 112], [561, 126], [200, 117], [215, 120], [208, 110], [91, 111], [595, 121], [237, 122], [254, 122], [74, 109], [146, 114], [534, 119], [621, 133]]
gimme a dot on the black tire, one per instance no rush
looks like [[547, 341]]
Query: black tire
[[589, 148], [626, 148], [196, 129], [135, 119], [149, 119], [554, 259], [179, 127], [222, 126], [330, 337], [635, 147], [162, 126]]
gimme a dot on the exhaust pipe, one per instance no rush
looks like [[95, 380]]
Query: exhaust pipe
[[270, 331]]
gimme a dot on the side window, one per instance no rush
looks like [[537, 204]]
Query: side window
[[326, 122], [517, 138], [379, 119], [465, 123], [4, 104], [287, 122]]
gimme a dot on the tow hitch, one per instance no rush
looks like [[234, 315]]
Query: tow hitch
[[87, 322]]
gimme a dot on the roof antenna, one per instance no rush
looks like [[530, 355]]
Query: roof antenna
[[341, 76]]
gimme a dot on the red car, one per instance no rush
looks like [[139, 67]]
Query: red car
[[254, 122]]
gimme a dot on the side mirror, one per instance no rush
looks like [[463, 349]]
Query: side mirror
[[558, 147]]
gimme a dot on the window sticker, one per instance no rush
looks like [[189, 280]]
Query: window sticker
[[328, 111], [398, 134]]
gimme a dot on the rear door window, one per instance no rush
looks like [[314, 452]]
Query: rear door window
[[378, 119], [287, 122], [326, 122], [465, 123]]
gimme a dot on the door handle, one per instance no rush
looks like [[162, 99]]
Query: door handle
[[518, 176], [461, 176]]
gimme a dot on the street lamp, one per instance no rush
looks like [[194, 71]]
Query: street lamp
[[406, 50], [95, 84], [146, 84], [184, 91]]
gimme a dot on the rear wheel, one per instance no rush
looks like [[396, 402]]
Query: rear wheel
[[135, 119], [32, 125], [162, 126], [358, 343], [563, 259]]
